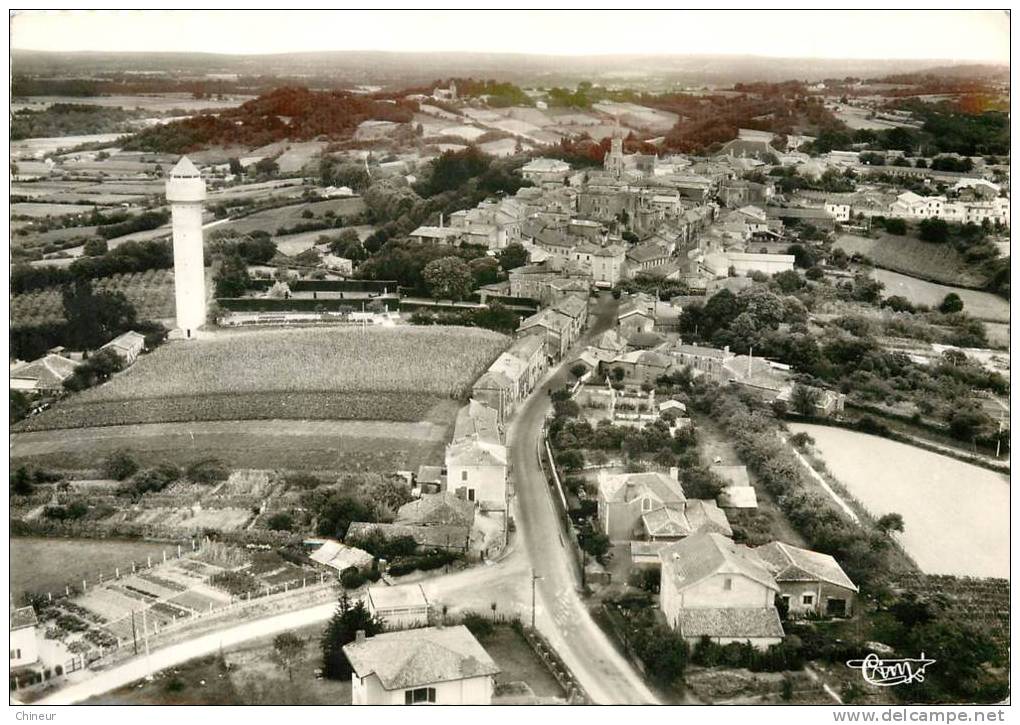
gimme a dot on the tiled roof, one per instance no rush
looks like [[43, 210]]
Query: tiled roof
[[473, 452], [128, 340], [418, 657], [791, 563], [437, 508], [49, 371], [730, 623], [664, 522], [705, 516], [477, 420], [340, 556], [23, 617], [626, 487], [702, 555]]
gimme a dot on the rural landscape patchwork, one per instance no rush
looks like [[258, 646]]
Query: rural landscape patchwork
[[345, 376]]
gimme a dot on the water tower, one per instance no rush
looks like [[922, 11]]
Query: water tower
[[185, 190]]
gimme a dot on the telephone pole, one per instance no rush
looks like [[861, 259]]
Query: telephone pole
[[534, 579]]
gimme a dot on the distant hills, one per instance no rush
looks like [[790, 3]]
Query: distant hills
[[403, 69]]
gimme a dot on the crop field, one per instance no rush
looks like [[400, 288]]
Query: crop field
[[41, 210], [938, 262], [301, 445], [373, 374], [288, 216], [151, 293]]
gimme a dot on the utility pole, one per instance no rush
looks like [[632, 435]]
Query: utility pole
[[134, 631], [534, 579]]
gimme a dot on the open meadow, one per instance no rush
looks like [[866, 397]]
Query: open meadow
[[398, 374], [982, 305], [937, 262]]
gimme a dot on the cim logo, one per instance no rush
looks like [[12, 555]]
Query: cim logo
[[889, 673]]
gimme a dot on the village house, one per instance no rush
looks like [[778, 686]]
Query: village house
[[810, 583], [647, 255], [399, 607], [608, 264], [24, 642], [548, 280], [711, 587], [437, 235], [703, 359], [433, 665], [652, 506], [449, 538], [437, 509], [128, 346], [636, 314], [551, 327], [745, 263], [542, 171], [476, 459], [638, 367], [497, 391], [45, 375]]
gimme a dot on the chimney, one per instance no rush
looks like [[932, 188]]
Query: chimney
[[674, 473], [440, 220], [359, 636]]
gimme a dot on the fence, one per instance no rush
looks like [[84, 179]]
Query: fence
[[576, 694]]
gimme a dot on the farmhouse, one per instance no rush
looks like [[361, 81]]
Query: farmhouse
[[809, 582], [434, 665], [712, 587], [45, 375], [24, 643], [400, 607], [129, 346]]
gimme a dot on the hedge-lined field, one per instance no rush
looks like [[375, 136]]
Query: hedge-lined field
[[150, 292], [398, 373]]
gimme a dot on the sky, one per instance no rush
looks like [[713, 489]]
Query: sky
[[981, 36]]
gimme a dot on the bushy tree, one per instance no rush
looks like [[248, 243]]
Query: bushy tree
[[119, 465], [343, 628], [288, 649], [448, 278], [951, 303], [512, 256]]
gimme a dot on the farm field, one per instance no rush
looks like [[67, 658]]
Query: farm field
[[938, 262], [42, 210], [272, 444], [293, 244], [983, 305], [151, 293], [271, 220], [956, 515], [46, 565], [30, 148], [335, 373], [153, 102]]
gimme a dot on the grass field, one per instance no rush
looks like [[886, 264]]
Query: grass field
[[151, 293], [340, 445], [39, 210], [46, 565], [399, 374], [983, 305], [938, 262], [271, 220]]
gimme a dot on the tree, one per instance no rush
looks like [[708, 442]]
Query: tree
[[119, 465], [890, 522], [281, 521], [232, 278], [235, 166], [803, 399], [21, 483], [935, 231], [512, 256], [484, 270], [343, 628], [594, 543], [448, 278], [93, 319], [578, 369], [267, 167], [20, 406], [951, 303], [95, 247], [288, 649]]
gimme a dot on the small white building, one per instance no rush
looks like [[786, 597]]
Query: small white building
[[430, 666], [128, 346], [400, 607], [24, 642]]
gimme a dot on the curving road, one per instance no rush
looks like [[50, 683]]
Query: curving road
[[539, 546], [561, 613]]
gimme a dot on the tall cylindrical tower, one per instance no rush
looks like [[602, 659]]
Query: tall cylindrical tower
[[185, 190]]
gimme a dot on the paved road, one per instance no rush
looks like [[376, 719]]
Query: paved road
[[562, 615], [538, 546]]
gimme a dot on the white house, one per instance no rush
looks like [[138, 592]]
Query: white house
[[839, 212], [400, 607], [430, 666], [714, 588], [24, 643], [129, 346]]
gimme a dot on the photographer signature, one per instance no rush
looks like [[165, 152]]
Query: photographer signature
[[888, 673]]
